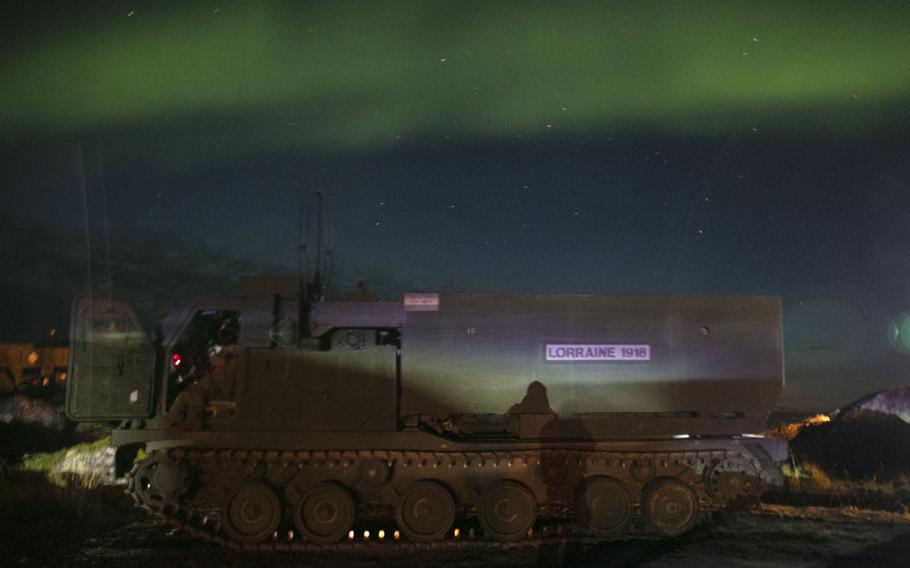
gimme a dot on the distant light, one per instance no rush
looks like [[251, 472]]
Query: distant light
[[366, 535], [176, 359], [381, 534], [32, 358], [752, 436], [899, 332], [396, 535], [350, 535], [681, 436], [457, 533]]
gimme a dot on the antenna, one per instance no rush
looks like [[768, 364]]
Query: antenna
[[315, 248]]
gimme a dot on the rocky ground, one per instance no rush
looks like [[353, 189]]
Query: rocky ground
[[48, 526]]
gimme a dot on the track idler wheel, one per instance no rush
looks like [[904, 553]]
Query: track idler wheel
[[160, 480], [252, 513], [670, 506], [426, 511], [733, 481], [604, 506], [325, 514], [507, 511]]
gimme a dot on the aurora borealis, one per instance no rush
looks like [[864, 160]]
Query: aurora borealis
[[667, 147], [354, 75]]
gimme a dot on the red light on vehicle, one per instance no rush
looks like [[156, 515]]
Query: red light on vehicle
[[176, 359]]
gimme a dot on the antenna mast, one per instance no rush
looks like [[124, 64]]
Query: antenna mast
[[315, 250]]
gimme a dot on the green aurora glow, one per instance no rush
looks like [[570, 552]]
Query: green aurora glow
[[352, 76]]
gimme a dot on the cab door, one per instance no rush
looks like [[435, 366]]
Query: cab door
[[112, 362]]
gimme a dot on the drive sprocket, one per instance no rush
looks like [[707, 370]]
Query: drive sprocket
[[159, 481]]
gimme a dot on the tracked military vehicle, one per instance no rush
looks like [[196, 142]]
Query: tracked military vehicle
[[268, 420]]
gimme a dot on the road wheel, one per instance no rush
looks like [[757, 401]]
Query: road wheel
[[252, 513], [426, 511], [325, 514], [507, 511], [604, 506], [670, 506]]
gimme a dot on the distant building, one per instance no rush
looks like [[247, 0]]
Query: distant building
[[31, 367]]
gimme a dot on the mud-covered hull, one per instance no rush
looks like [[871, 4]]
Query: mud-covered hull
[[315, 490]]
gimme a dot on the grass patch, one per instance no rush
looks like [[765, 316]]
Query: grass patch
[[46, 462], [810, 485], [49, 464]]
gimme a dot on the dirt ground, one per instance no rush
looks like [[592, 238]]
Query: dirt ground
[[43, 527]]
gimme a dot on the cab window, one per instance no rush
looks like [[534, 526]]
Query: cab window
[[205, 336]]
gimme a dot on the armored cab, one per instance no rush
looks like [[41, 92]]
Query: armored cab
[[620, 413]]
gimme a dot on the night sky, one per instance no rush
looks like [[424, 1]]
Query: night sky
[[718, 147]]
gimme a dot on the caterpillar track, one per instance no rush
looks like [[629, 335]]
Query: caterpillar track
[[426, 500]]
